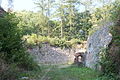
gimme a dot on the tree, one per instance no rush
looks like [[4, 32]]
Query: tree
[[60, 14], [71, 12], [11, 45], [66, 15], [41, 5], [31, 22], [83, 24], [45, 7]]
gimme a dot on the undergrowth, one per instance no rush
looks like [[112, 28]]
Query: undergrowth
[[13, 55], [35, 39]]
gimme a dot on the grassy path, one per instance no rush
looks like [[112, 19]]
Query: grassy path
[[70, 73], [64, 72]]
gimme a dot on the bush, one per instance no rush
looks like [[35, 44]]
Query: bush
[[11, 45], [110, 58], [34, 39]]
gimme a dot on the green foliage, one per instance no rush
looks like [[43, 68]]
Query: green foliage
[[108, 66], [115, 11], [82, 25], [100, 17], [34, 39], [74, 73], [72, 23], [66, 21], [107, 13], [11, 47], [32, 23], [109, 57]]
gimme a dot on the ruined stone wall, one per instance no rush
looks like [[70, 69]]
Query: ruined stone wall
[[52, 55], [55, 55]]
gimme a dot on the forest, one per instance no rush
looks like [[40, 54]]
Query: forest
[[42, 45]]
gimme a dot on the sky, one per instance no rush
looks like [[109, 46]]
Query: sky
[[29, 5], [24, 5], [21, 5]]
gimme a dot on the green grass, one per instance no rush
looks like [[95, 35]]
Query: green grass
[[68, 73], [73, 73], [34, 74]]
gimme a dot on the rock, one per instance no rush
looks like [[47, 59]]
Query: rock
[[100, 39]]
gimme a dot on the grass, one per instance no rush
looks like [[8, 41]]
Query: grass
[[68, 73], [55, 72], [34, 74], [73, 73]]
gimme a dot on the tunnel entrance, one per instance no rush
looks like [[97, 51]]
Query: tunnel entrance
[[79, 58]]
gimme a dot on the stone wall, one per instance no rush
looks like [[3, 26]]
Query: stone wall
[[52, 55], [55, 55]]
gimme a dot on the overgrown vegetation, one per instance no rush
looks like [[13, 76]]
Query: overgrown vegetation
[[65, 28], [12, 51], [74, 73], [37, 40], [60, 24], [110, 59], [39, 24]]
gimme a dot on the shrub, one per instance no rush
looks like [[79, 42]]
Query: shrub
[[11, 44], [56, 42]]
